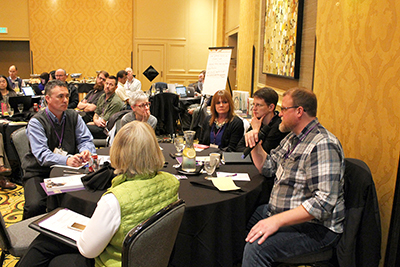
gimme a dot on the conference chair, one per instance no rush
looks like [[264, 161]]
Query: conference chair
[[360, 243], [21, 144], [16, 238], [165, 107], [150, 243]]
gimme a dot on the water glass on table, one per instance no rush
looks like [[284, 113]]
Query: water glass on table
[[210, 165], [179, 145]]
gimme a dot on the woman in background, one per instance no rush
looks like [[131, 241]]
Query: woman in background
[[139, 191], [5, 90], [223, 128]]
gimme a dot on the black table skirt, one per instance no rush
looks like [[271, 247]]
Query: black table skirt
[[213, 228]]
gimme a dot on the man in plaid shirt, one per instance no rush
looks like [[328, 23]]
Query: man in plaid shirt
[[306, 209]]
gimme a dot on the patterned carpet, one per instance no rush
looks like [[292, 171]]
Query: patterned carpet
[[11, 207]]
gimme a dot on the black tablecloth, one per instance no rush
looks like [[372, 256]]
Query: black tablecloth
[[213, 228]]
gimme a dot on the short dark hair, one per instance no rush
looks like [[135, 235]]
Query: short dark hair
[[305, 98], [268, 95], [121, 73], [112, 77], [52, 84], [53, 74]]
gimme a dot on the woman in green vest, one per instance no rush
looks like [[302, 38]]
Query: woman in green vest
[[139, 191]]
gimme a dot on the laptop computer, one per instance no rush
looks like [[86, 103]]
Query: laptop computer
[[190, 92], [181, 91], [235, 158], [28, 91], [25, 100]]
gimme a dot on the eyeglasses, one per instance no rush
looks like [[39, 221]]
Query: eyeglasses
[[101, 78], [143, 105], [286, 108]]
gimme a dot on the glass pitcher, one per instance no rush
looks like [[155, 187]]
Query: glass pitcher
[[188, 153]]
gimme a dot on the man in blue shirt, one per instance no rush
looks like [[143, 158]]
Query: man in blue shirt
[[57, 135]]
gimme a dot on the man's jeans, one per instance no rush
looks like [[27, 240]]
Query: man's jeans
[[287, 242]]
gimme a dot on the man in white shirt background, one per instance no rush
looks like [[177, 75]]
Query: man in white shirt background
[[132, 84]]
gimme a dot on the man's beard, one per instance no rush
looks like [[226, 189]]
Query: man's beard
[[98, 87], [284, 128]]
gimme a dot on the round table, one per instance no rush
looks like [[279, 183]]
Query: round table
[[213, 228]]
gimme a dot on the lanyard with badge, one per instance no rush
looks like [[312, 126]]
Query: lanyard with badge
[[280, 171], [58, 150]]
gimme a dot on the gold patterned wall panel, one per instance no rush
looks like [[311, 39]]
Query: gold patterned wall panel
[[81, 36], [357, 83]]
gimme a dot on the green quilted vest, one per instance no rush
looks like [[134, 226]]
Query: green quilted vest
[[139, 198]]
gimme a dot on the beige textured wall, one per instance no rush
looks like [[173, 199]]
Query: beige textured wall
[[357, 83], [14, 16], [81, 36]]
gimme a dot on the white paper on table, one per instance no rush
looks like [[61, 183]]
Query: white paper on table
[[224, 184], [235, 176], [60, 221]]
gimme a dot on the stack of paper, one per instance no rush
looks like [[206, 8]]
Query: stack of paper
[[64, 184]]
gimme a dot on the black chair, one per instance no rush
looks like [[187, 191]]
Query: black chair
[[150, 243], [360, 243], [165, 107]]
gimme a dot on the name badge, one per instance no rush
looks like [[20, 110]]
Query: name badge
[[60, 151]]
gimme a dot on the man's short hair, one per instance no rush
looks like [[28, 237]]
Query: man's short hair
[[52, 84], [121, 73], [112, 77], [137, 96], [304, 98], [268, 95], [105, 73], [128, 69]]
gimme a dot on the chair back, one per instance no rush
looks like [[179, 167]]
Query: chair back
[[165, 107], [21, 142], [360, 244], [150, 243]]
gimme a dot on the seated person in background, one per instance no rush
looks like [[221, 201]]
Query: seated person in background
[[4, 183], [122, 77], [132, 84], [139, 191], [306, 210], [61, 75], [266, 118], [5, 90], [52, 75], [108, 104], [140, 110], [198, 86], [223, 128], [88, 104], [15, 81], [57, 135], [44, 79]]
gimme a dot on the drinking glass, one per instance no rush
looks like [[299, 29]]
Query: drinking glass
[[20, 108], [179, 145], [209, 167]]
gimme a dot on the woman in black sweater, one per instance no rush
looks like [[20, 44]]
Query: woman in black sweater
[[223, 128]]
